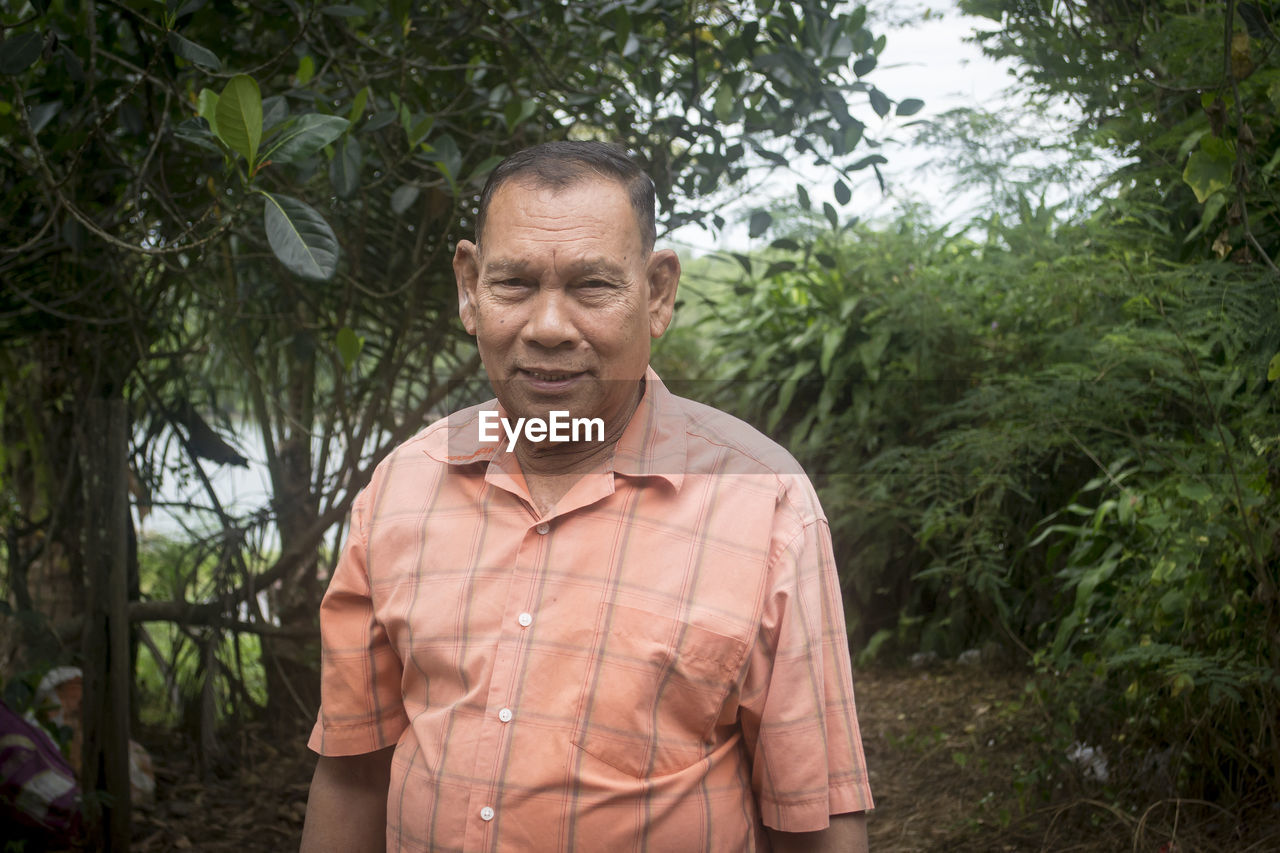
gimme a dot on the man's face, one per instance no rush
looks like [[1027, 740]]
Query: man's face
[[563, 298]]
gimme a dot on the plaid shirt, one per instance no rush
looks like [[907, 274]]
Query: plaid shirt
[[659, 664]]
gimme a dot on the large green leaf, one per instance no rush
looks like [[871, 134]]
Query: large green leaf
[[831, 341], [305, 137], [404, 196], [196, 131], [207, 108], [444, 151], [842, 192], [481, 172], [344, 169], [195, 53], [41, 114], [724, 103], [306, 70], [910, 106], [349, 346], [832, 217], [517, 111], [416, 126], [20, 52], [759, 223], [300, 237], [358, 105], [871, 160], [803, 195], [178, 9], [1209, 168], [239, 117], [879, 102], [275, 111]]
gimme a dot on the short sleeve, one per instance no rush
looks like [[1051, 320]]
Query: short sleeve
[[798, 716], [360, 673]]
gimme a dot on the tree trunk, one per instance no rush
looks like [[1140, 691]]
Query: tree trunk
[[105, 640], [45, 571], [293, 682]]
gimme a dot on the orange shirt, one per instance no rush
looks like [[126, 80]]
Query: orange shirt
[[659, 664]]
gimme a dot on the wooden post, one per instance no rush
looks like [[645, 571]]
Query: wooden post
[[105, 642]]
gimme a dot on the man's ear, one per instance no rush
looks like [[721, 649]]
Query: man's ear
[[466, 272], [663, 272]]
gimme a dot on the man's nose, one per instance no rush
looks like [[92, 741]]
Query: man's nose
[[551, 323]]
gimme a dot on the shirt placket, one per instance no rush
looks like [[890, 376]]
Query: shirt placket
[[518, 620]]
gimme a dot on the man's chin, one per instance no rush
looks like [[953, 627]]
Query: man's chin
[[543, 410]]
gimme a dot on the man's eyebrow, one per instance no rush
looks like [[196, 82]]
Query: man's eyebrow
[[590, 267], [504, 266], [596, 267]]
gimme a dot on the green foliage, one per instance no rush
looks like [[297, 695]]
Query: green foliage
[[1048, 440], [239, 118], [1186, 94], [1209, 167], [173, 661], [1166, 565], [240, 216], [1158, 569], [300, 237]]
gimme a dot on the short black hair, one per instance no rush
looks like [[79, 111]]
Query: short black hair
[[560, 165]]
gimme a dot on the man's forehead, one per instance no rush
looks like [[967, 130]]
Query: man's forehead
[[605, 200], [588, 224], [589, 182]]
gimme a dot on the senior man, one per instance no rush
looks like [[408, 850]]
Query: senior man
[[628, 641]]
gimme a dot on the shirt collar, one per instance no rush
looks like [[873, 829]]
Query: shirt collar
[[457, 439], [652, 445]]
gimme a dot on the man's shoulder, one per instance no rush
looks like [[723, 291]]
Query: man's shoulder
[[718, 444], [452, 438], [715, 434]]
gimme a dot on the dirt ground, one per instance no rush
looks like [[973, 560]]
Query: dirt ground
[[951, 755], [953, 752]]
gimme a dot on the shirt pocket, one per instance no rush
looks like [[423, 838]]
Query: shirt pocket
[[655, 692]]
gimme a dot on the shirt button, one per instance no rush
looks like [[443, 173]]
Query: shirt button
[[486, 813], [505, 715], [543, 528], [525, 619]]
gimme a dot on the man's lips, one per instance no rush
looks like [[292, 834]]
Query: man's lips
[[548, 379]]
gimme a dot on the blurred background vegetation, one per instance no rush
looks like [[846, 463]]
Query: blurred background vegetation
[[1049, 431]]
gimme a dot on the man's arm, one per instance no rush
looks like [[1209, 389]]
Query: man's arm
[[347, 806], [847, 833]]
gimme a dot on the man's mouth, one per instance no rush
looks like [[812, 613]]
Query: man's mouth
[[549, 381], [548, 376]]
